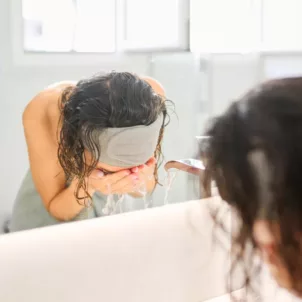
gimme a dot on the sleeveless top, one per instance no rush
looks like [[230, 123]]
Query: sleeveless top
[[29, 211]]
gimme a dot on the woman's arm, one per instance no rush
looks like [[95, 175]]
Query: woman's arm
[[40, 118]]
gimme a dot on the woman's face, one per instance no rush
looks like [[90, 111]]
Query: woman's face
[[267, 236]]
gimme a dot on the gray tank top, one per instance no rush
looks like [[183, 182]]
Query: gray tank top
[[29, 211]]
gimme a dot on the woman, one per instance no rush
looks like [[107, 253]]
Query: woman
[[86, 141], [255, 157]]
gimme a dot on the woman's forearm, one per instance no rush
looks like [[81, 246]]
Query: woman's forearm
[[64, 206]]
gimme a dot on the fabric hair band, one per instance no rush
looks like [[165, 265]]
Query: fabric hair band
[[130, 146]]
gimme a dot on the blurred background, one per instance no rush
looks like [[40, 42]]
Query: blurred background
[[206, 53]]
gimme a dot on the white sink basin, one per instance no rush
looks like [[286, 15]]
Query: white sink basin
[[159, 255]]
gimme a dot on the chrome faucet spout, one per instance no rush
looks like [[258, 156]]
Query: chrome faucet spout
[[196, 167], [189, 165]]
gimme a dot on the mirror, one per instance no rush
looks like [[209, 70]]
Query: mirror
[[51, 42]]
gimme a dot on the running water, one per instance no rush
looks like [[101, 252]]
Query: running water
[[113, 203], [170, 177], [142, 189]]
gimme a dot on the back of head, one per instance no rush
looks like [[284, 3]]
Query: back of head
[[117, 99], [255, 157]]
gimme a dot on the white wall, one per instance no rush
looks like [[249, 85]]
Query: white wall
[[198, 90]]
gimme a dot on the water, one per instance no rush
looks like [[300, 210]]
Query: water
[[114, 202], [142, 189], [169, 179]]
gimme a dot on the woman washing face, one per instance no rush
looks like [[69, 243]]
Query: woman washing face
[[85, 141]]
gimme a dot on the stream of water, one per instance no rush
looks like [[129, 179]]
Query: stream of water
[[169, 179], [114, 202]]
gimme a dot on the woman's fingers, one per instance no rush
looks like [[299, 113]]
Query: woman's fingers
[[96, 174], [135, 169], [117, 176], [151, 162], [128, 181], [121, 182]]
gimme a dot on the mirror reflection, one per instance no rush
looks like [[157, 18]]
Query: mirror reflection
[[96, 116], [99, 123]]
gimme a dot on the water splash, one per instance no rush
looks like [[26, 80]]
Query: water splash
[[169, 179], [118, 203], [108, 208], [141, 188], [112, 204], [148, 202]]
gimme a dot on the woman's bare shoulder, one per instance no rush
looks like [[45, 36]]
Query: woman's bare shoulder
[[52, 94], [59, 86], [44, 109], [47, 100], [155, 84]]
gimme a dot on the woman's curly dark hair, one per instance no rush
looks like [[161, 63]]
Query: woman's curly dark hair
[[116, 99], [268, 118]]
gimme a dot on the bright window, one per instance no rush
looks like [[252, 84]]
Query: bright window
[[99, 26], [225, 26], [282, 24], [245, 25], [69, 25], [159, 24]]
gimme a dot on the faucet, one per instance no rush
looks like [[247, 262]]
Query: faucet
[[196, 167], [192, 166], [189, 165]]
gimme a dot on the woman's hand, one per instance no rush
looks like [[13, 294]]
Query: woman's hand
[[122, 182], [131, 181], [146, 171], [146, 180]]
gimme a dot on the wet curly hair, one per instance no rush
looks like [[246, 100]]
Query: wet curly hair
[[115, 99], [267, 118]]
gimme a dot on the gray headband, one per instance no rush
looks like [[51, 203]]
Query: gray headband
[[130, 146]]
